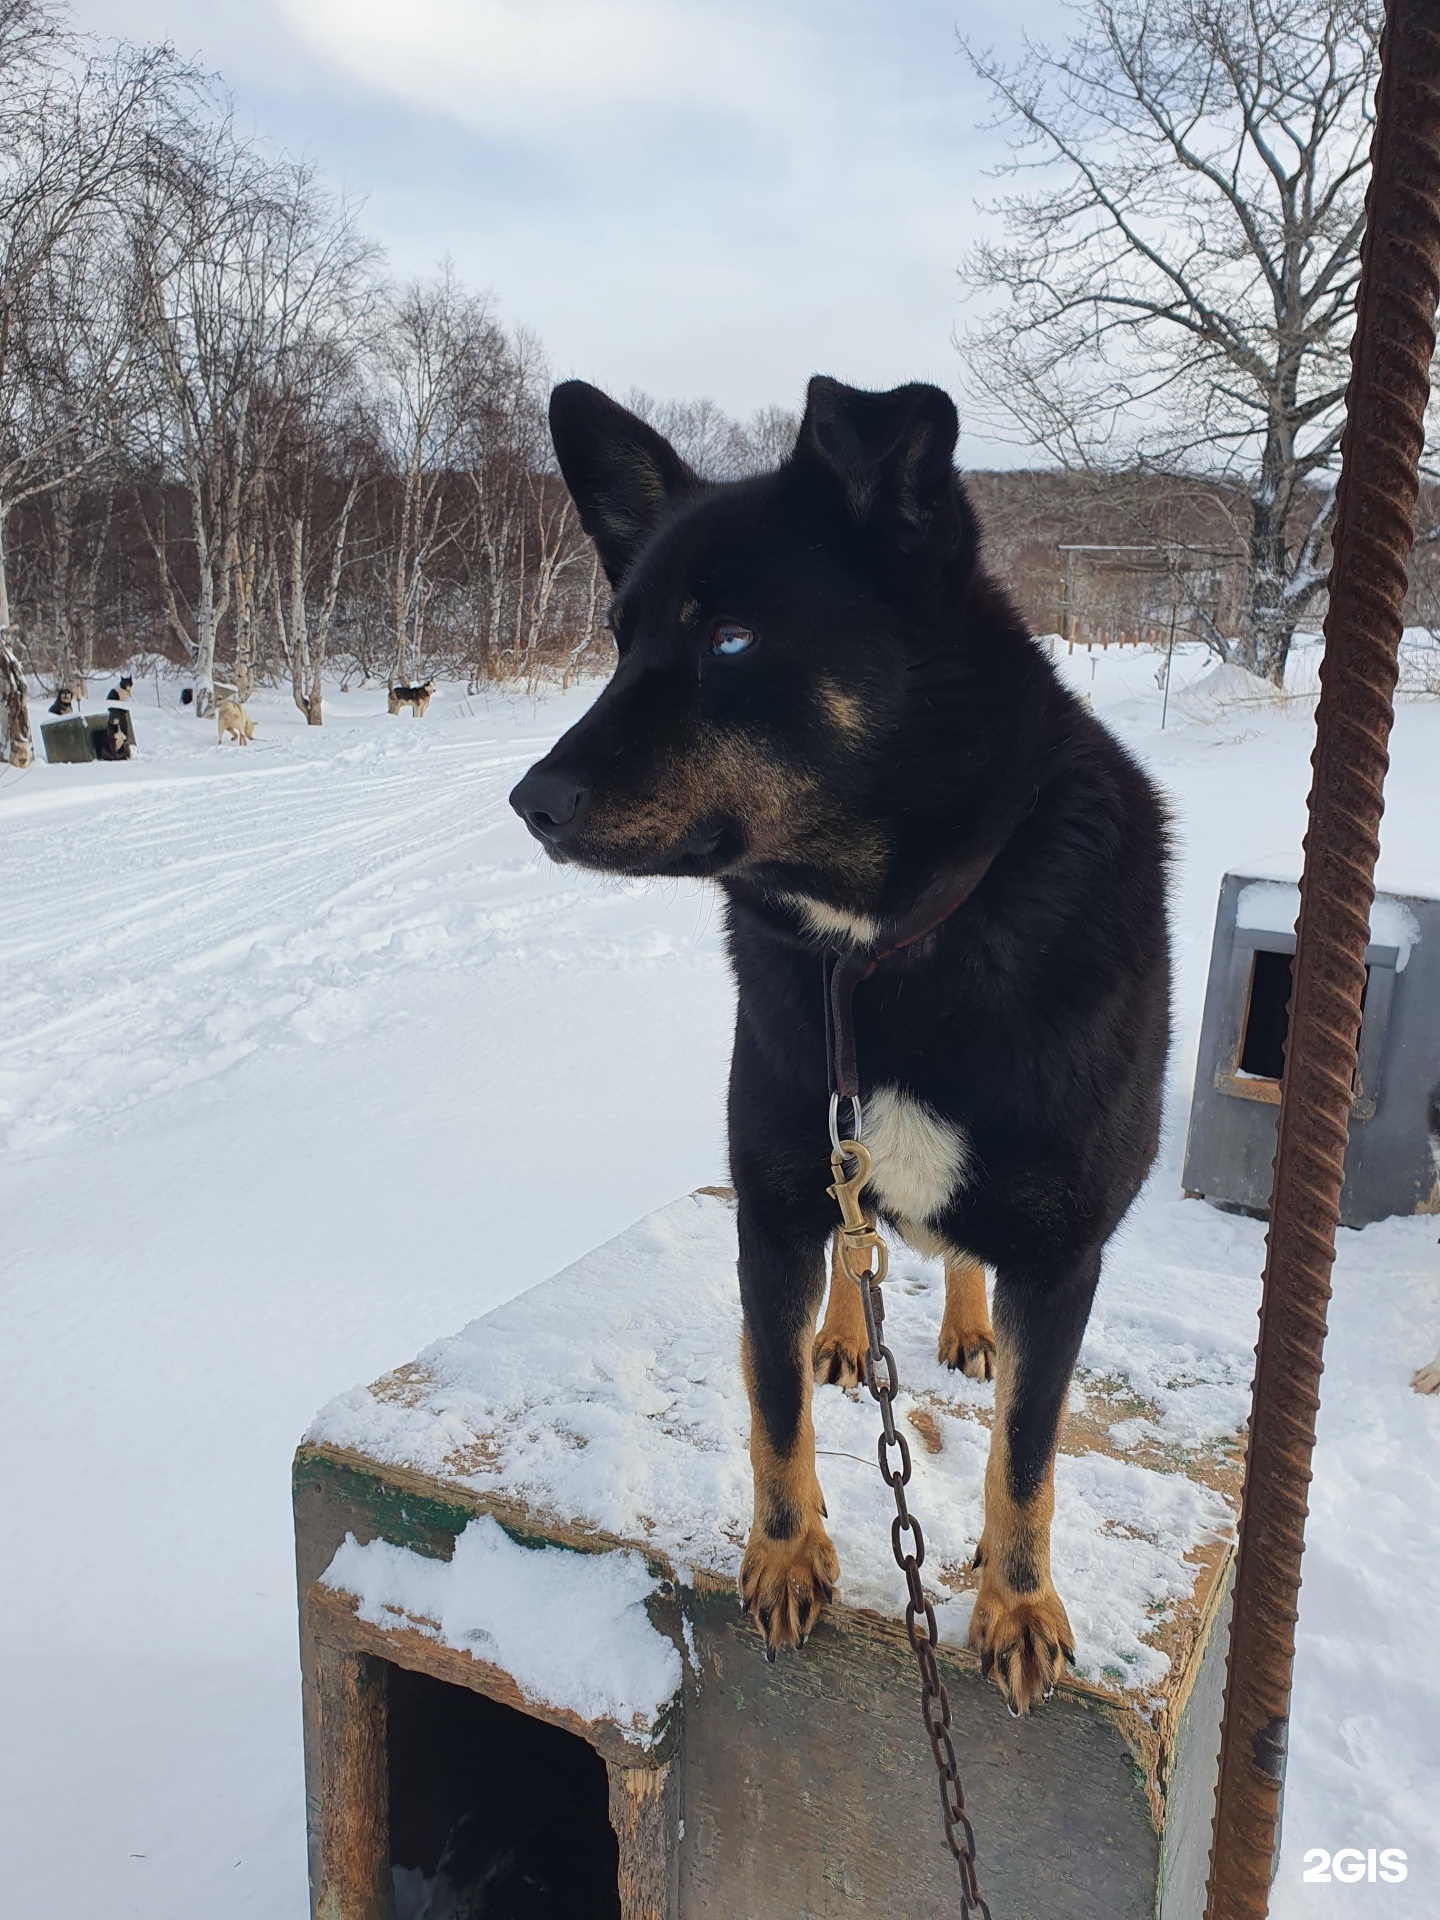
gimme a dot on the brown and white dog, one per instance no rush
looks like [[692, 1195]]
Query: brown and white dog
[[232, 718], [416, 698]]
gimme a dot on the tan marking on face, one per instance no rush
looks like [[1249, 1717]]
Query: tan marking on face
[[688, 610], [844, 710], [785, 813]]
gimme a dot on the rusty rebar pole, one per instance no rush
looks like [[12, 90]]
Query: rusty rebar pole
[[1380, 452]]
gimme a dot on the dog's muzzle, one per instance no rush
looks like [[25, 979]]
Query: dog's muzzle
[[552, 804]]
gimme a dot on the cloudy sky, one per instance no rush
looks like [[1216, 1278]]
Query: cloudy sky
[[710, 197]]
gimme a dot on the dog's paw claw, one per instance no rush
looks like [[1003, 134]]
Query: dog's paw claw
[[787, 1584], [1023, 1641], [968, 1351], [836, 1363]]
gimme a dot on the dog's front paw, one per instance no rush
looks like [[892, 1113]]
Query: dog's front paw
[[1023, 1640], [1427, 1379], [786, 1584], [967, 1339], [970, 1351], [840, 1358]]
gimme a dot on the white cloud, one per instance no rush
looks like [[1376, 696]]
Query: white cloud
[[694, 196], [538, 71]]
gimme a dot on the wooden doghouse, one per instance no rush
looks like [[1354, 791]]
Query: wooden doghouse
[[525, 1670]]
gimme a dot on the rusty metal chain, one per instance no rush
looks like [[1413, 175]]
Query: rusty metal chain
[[865, 1260]]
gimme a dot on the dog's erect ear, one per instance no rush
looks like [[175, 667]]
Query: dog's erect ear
[[622, 474], [891, 454]]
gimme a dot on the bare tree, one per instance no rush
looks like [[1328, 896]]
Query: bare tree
[[311, 540], [506, 444], [247, 274], [1176, 282], [439, 360], [713, 442], [73, 122]]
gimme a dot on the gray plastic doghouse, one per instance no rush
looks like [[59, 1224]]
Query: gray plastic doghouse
[[1390, 1164]]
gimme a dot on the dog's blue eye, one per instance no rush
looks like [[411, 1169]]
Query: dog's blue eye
[[728, 639]]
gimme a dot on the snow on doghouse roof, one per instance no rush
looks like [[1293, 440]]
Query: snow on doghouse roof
[[609, 1400]]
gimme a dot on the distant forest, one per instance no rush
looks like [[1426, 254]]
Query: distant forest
[[233, 443]]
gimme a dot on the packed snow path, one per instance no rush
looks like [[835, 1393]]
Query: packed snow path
[[309, 1059], [160, 927]]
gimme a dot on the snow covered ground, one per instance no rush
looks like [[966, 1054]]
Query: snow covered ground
[[308, 1059]]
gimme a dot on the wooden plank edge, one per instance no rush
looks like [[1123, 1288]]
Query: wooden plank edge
[[336, 1624]]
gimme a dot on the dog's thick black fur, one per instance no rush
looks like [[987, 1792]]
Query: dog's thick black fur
[[823, 703]]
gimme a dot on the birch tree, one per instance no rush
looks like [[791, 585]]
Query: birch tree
[[439, 358], [73, 124], [1176, 278], [247, 274], [314, 540]]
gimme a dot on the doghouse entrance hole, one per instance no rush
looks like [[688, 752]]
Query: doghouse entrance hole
[[1267, 1014], [494, 1815]]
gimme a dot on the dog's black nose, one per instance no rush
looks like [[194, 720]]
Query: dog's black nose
[[549, 802]]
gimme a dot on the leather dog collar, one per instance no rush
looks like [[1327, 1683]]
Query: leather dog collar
[[843, 971]]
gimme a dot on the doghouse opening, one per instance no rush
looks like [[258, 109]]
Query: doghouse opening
[[493, 1813], [1267, 1015]]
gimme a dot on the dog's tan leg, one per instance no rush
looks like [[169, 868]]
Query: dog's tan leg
[[790, 1568], [842, 1343], [967, 1339], [1019, 1626]]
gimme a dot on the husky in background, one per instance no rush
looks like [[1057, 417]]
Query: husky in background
[[416, 698], [232, 718]]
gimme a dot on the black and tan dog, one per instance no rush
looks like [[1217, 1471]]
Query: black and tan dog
[[823, 703], [416, 698]]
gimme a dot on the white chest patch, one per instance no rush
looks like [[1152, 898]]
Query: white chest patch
[[920, 1160]]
